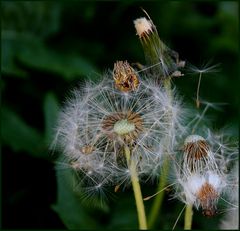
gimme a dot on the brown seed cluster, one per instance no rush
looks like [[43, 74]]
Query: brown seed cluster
[[197, 150], [207, 196], [130, 137], [87, 149], [125, 77]]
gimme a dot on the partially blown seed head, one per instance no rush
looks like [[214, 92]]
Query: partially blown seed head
[[100, 119]]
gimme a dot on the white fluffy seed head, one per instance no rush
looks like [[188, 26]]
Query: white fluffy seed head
[[201, 178], [201, 190], [98, 120]]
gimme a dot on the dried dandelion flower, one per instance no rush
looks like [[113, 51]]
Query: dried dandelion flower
[[156, 52], [144, 27], [125, 77]]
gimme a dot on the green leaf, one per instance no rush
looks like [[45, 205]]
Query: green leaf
[[20, 136], [123, 218], [31, 52], [8, 54], [70, 66], [68, 206], [50, 108], [40, 17]]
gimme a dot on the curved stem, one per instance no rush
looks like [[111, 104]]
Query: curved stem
[[198, 89], [188, 217], [137, 191]]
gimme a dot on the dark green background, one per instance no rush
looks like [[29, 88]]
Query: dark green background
[[50, 47]]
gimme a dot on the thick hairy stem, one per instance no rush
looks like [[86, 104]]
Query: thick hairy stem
[[137, 191], [188, 217]]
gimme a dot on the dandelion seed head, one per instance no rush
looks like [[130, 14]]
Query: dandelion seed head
[[201, 178], [202, 190], [99, 120]]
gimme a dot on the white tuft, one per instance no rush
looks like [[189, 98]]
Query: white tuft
[[143, 26], [193, 139]]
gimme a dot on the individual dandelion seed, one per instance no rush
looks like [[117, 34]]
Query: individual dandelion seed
[[197, 154], [125, 77], [205, 68]]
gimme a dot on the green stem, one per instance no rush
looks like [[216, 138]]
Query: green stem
[[154, 213], [137, 191], [163, 178], [198, 89], [188, 217]]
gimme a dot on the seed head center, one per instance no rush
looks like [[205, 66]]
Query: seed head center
[[123, 127]]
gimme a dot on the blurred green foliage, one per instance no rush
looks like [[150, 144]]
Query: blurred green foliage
[[47, 48]]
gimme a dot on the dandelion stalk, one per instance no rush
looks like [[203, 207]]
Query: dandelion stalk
[[198, 89], [137, 190], [154, 213], [157, 204], [188, 217], [157, 52]]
